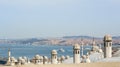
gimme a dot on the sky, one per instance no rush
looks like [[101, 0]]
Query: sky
[[57, 18]]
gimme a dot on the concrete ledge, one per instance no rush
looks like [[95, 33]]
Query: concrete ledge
[[101, 64]]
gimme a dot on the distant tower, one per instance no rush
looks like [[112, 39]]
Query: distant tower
[[107, 46], [54, 57], [76, 54], [93, 45], [9, 57], [82, 47]]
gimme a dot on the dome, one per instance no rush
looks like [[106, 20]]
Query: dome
[[100, 50], [12, 59], [23, 61], [24, 57], [41, 57], [45, 57], [67, 57], [59, 59], [95, 48], [107, 38], [62, 57], [37, 57], [76, 46], [85, 59], [84, 56], [54, 52], [20, 58]]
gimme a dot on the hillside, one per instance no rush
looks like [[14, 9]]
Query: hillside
[[66, 40]]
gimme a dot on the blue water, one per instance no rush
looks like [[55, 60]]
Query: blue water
[[30, 51]]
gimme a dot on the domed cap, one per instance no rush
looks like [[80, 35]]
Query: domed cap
[[62, 57], [37, 57], [107, 38], [20, 58], [24, 57], [41, 57], [23, 61], [76, 46], [67, 57], [84, 56], [12, 58], [45, 57], [58, 58], [54, 52]]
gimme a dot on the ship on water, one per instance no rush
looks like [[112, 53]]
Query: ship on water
[[61, 50]]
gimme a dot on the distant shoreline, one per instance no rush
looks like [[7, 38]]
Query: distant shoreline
[[66, 40]]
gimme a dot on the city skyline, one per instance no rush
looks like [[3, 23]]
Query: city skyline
[[27, 19]]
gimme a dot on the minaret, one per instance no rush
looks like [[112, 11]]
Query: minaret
[[76, 54], [107, 46], [82, 47], [93, 44], [54, 57], [9, 55]]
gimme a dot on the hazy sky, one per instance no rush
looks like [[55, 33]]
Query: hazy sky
[[56, 18]]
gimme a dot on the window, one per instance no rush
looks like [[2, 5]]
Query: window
[[78, 52], [107, 44], [110, 44]]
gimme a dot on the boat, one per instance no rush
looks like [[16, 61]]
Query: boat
[[61, 50]]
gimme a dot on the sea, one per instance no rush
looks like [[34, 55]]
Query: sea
[[30, 51]]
